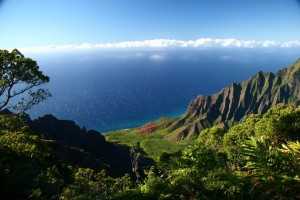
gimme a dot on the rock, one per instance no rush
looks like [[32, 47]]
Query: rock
[[148, 128]]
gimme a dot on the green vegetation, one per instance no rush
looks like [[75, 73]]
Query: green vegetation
[[19, 75], [152, 144], [27, 167], [255, 159], [227, 107], [129, 137], [258, 158]]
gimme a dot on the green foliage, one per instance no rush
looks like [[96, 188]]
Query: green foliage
[[274, 172], [258, 158], [91, 185], [153, 144], [186, 172], [27, 167], [255, 159], [155, 186], [281, 123], [212, 137], [201, 158], [154, 147], [12, 123], [19, 75], [235, 137]]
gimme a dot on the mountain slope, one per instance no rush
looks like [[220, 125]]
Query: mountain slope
[[232, 103], [82, 148]]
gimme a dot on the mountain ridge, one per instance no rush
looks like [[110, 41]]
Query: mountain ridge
[[255, 95], [91, 149]]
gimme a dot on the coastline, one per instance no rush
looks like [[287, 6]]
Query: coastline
[[134, 124]]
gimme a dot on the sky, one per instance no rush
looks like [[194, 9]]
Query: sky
[[65, 24]]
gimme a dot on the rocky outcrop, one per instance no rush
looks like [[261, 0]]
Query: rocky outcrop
[[148, 128], [231, 104]]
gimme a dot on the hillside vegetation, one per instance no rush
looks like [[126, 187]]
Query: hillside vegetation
[[258, 158], [242, 143], [152, 144], [231, 104]]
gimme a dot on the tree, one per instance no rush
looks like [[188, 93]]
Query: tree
[[212, 137], [28, 169], [18, 76], [89, 184], [235, 137], [281, 123]]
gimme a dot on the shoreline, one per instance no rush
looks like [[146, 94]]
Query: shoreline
[[136, 124]]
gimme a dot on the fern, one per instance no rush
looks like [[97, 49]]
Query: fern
[[272, 171]]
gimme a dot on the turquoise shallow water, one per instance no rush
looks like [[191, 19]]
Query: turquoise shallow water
[[109, 90]]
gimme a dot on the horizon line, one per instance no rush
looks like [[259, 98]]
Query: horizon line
[[162, 43]]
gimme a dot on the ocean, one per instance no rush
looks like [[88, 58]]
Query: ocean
[[106, 90]]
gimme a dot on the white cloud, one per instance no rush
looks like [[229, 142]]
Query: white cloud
[[165, 43]]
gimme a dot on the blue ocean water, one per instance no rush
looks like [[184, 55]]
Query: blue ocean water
[[116, 89]]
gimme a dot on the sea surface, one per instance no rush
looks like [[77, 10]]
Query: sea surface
[[115, 89]]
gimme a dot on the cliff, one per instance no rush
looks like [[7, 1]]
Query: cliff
[[233, 103]]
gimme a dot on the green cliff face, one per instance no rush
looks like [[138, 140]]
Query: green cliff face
[[237, 101]]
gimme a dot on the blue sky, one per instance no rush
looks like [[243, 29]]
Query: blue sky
[[26, 23]]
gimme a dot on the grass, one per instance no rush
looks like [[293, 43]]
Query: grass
[[154, 147], [128, 137], [153, 144]]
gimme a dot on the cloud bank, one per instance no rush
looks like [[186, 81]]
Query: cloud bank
[[166, 43]]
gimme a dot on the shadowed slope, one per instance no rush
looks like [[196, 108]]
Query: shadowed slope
[[91, 146]]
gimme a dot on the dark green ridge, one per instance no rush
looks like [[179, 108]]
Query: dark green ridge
[[255, 95]]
